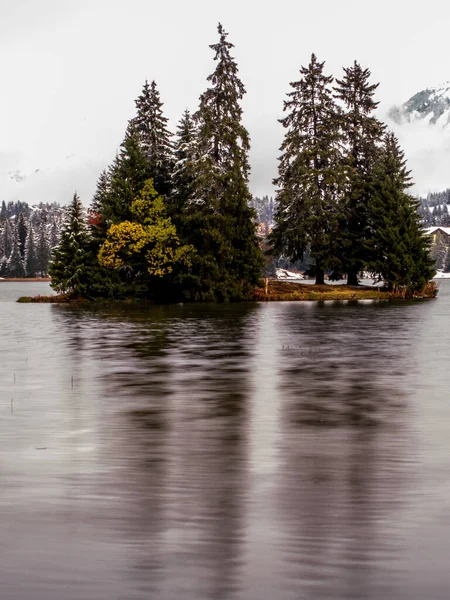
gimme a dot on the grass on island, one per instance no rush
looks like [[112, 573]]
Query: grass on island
[[55, 299], [283, 291], [286, 290]]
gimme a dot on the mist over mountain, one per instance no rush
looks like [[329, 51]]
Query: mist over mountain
[[53, 181], [422, 124]]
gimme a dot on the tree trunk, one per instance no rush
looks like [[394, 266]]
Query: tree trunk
[[352, 277], [320, 276]]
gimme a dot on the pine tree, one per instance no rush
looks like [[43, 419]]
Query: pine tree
[[151, 125], [399, 247], [362, 134], [15, 266], [311, 175], [220, 224], [69, 267], [31, 264]]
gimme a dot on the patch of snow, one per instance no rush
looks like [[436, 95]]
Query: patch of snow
[[284, 274]]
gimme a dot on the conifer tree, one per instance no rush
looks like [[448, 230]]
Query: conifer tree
[[22, 231], [7, 239], [69, 267], [362, 134], [124, 181], [42, 249], [156, 139], [220, 222], [102, 191], [15, 266], [183, 175], [31, 265], [399, 247], [311, 174]]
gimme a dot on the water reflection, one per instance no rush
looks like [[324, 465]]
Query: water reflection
[[232, 452]]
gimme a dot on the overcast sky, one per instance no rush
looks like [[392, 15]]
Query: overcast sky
[[71, 70]]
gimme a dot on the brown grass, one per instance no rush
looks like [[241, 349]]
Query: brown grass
[[285, 291]]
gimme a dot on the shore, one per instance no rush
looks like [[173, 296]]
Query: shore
[[287, 291], [282, 291], [24, 279]]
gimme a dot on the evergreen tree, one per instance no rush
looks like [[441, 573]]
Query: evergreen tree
[[311, 175], [102, 191], [219, 224], [7, 239], [54, 233], [42, 249], [126, 179], [31, 264], [400, 249], [22, 231], [15, 266], [183, 176], [156, 142], [69, 267], [362, 134]]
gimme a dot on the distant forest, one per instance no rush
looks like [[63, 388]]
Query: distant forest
[[434, 209], [27, 236]]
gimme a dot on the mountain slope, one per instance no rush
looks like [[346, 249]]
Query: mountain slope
[[431, 106]]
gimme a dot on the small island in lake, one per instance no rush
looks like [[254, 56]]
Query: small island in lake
[[173, 220]]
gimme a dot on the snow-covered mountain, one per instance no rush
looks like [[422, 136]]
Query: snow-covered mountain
[[422, 125], [431, 106]]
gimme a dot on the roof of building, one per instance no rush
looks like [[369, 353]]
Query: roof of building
[[430, 230]]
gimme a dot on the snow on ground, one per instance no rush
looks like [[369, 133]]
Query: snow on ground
[[284, 274]]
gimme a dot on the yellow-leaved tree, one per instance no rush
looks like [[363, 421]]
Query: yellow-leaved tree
[[150, 239]]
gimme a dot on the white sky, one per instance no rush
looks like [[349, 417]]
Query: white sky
[[71, 70]]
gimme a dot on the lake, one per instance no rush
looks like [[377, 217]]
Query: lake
[[253, 451]]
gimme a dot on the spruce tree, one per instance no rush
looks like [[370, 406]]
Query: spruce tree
[[42, 249], [156, 139], [219, 224], [399, 248], [362, 134], [69, 267], [15, 266], [31, 265], [22, 231], [311, 174], [7, 239], [183, 175], [125, 180]]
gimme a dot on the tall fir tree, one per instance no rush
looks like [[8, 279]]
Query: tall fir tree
[[22, 231], [42, 249], [362, 134], [220, 225], [127, 175], [399, 248], [69, 267], [7, 239], [311, 176], [183, 175], [15, 266], [31, 264], [156, 139]]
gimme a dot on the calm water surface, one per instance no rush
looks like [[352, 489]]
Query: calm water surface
[[271, 451]]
